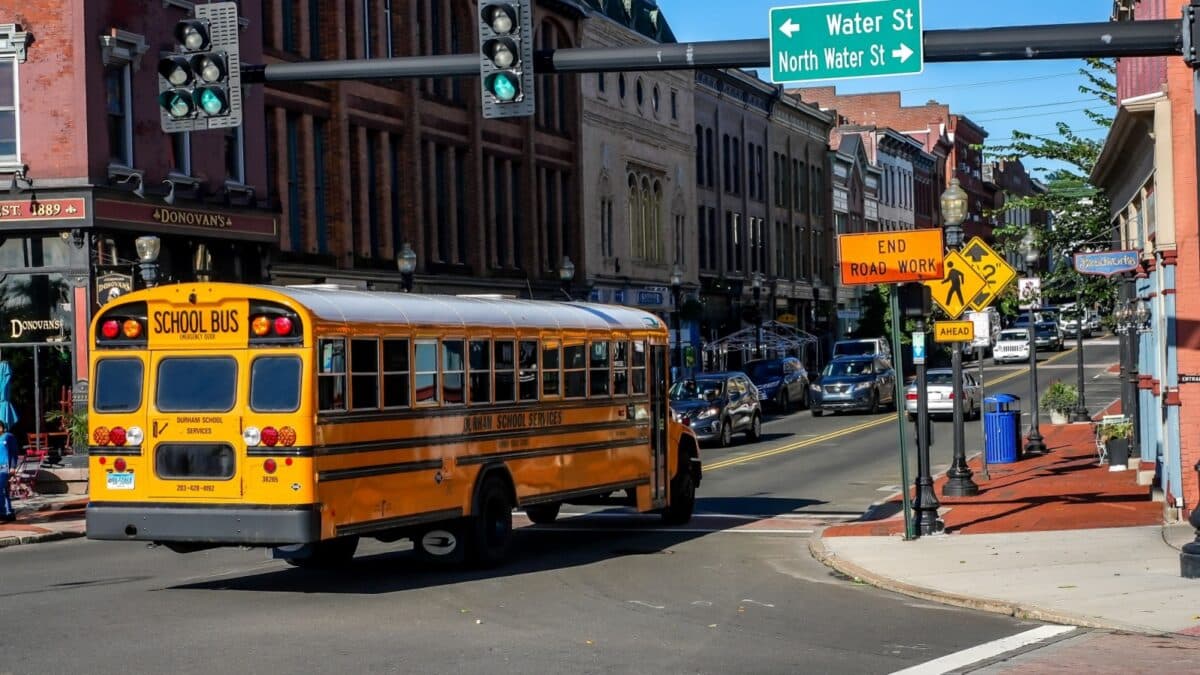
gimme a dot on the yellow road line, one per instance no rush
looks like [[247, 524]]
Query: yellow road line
[[734, 461]]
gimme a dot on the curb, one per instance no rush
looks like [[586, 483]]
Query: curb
[[816, 547], [17, 540]]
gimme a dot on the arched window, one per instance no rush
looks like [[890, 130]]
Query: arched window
[[640, 92], [647, 215], [552, 91], [635, 218], [621, 86]]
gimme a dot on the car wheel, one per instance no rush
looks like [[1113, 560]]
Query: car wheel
[[785, 403], [754, 433], [817, 412], [726, 434], [804, 400], [874, 403]]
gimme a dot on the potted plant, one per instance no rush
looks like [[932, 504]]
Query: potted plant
[[1116, 437], [1059, 400], [76, 426]]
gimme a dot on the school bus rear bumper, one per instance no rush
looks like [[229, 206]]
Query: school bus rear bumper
[[241, 525]]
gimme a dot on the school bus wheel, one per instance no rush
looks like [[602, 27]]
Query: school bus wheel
[[491, 526], [543, 514], [683, 499], [328, 554]]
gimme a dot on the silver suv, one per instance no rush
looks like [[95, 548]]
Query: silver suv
[[718, 405]]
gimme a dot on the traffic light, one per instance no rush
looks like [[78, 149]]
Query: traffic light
[[200, 83], [506, 60], [916, 300]]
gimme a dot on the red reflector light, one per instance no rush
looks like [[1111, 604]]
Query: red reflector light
[[100, 436], [132, 329], [951, 396], [269, 436], [117, 436], [110, 329], [103, 461], [119, 465], [288, 461], [287, 436], [283, 326], [261, 325], [269, 466]]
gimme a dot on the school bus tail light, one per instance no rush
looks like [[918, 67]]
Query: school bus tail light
[[117, 436], [269, 465], [110, 329], [287, 436], [283, 326], [119, 465], [261, 326], [269, 436], [132, 329], [101, 436]]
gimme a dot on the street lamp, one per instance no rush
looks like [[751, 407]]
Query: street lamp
[[958, 483], [1080, 414], [147, 253], [1035, 444], [756, 283], [407, 264], [676, 291], [566, 273]]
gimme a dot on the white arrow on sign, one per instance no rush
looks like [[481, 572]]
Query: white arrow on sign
[[903, 53], [789, 28]]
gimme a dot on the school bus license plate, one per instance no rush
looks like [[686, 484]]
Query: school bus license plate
[[119, 481]]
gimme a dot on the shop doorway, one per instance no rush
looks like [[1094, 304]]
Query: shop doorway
[[40, 386]]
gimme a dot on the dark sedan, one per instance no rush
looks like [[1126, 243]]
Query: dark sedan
[[718, 405], [783, 382], [862, 383]]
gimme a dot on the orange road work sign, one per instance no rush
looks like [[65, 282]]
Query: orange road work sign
[[890, 257]]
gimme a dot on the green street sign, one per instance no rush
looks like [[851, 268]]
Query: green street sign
[[842, 40]]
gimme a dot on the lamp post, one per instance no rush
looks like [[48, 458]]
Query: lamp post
[[566, 273], [147, 252], [1035, 444], [756, 283], [676, 292], [1080, 413], [407, 264], [1141, 317], [958, 483]]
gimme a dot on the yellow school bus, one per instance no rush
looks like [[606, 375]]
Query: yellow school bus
[[303, 418]]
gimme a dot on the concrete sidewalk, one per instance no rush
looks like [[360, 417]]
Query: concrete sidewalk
[[1056, 538], [45, 518]]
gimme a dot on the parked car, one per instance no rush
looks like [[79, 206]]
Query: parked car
[[718, 405], [1012, 344], [854, 383], [783, 382], [1093, 322], [939, 384], [1049, 336], [862, 347], [1072, 323]]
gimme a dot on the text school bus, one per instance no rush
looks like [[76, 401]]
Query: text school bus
[[303, 418]]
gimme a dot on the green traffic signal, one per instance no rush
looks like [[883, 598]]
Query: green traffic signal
[[503, 87], [212, 101], [177, 103]]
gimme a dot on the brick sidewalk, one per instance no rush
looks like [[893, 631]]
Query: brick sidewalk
[[45, 519], [1065, 489]]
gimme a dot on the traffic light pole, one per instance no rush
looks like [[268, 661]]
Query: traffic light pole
[[1014, 43]]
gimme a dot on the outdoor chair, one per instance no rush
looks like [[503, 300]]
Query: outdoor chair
[[1101, 448]]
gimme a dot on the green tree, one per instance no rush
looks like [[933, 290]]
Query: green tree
[[1078, 210]]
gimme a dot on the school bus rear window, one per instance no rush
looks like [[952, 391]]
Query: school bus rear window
[[196, 384], [118, 385], [275, 384]]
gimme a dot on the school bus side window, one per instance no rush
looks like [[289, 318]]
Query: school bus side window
[[506, 371], [598, 366], [453, 372], [529, 370], [118, 385], [574, 373], [550, 372], [275, 384], [395, 373], [620, 364], [638, 372], [427, 371], [331, 374], [480, 362], [364, 374]]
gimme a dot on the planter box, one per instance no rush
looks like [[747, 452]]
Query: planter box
[[1058, 417], [1118, 453]]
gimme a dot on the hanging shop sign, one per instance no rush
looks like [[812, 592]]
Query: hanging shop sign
[[111, 286]]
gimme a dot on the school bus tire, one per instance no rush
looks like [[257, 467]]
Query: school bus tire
[[683, 499], [491, 526], [543, 514], [328, 554]]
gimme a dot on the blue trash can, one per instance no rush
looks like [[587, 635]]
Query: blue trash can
[[1001, 429]]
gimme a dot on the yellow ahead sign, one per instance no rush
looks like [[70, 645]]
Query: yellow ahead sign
[[890, 257], [960, 284], [997, 274], [953, 331]]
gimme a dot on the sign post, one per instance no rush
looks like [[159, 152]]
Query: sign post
[[846, 40]]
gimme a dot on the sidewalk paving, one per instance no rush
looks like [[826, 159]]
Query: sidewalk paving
[[45, 518], [1055, 538]]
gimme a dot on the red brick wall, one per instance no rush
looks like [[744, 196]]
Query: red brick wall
[[1145, 75]]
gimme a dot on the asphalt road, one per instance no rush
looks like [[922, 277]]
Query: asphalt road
[[606, 593]]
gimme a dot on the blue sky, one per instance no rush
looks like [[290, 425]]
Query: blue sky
[[993, 94]]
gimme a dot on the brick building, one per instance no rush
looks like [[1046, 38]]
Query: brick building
[[855, 184], [1148, 168], [928, 123], [90, 170]]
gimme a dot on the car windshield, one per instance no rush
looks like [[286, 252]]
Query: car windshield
[[854, 348], [1045, 331], [842, 368], [946, 379], [1011, 335], [697, 390], [764, 370]]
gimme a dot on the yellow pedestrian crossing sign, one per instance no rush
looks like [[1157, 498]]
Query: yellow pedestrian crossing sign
[[960, 283], [997, 274]]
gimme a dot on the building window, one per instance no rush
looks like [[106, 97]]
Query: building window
[[674, 105], [10, 149], [606, 226], [737, 166], [120, 122], [235, 155], [446, 207], [621, 86], [727, 174], [287, 17], [702, 237], [181, 153], [601, 79], [294, 205], [700, 154], [639, 93], [314, 30], [680, 251], [645, 217], [655, 101], [388, 45], [368, 32], [321, 217]]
